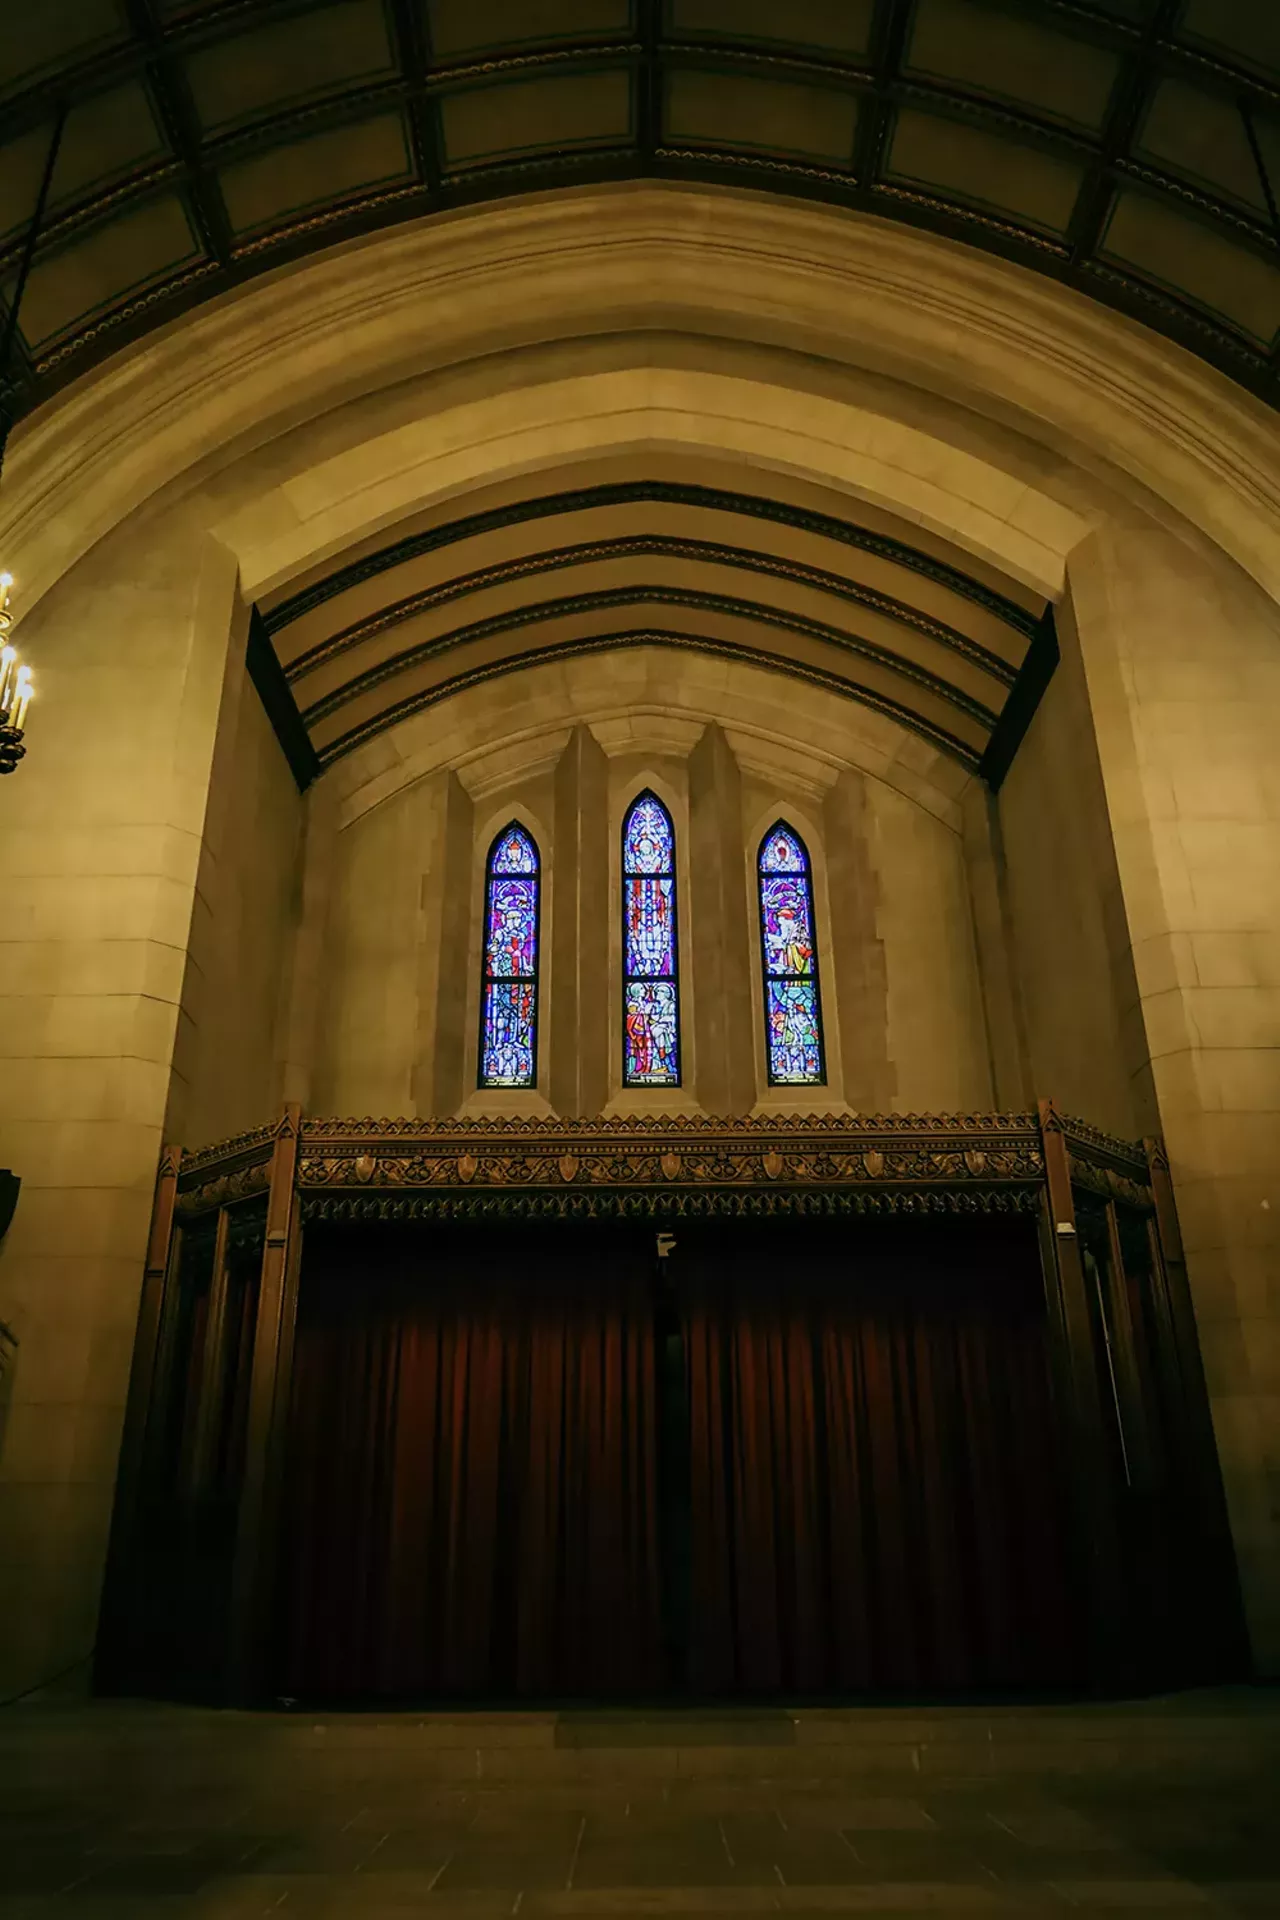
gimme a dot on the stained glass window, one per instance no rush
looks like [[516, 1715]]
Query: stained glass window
[[651, 1000], [792, 1006], [509, 1000]]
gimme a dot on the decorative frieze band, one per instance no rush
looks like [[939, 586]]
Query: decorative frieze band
[[646, 1166], [647, 1155]]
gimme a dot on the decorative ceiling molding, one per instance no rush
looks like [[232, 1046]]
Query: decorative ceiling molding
[[1092, 389], [846, 685], [750, 506], [706, 553], [711, 606], [236, 86]]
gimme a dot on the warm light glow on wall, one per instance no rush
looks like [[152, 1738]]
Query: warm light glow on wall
[[15, 687]]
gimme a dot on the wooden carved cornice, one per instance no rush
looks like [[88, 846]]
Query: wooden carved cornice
[[230, 1171], [643, 1167], [646, 1167], [1102, 1164]]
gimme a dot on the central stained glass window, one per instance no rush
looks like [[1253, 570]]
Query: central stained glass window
[[651, 999], [509, 999], [792, 1007]]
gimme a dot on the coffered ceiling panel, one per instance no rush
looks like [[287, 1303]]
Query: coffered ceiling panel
[[1248, 30], [1130, 148], [1170, 247], [335, 48], [822, 26], [105, 138], [969, 163], [143, 247], [463, 29], [327, 166], [740, 110], [1205, 137], [39, 38], [1021, 61], [552, 115]]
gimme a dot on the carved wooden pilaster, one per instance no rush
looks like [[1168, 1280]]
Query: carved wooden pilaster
[[268, 1407], [1133, 1411], [1075, 1363], [212, 1361], [1211, 1561]]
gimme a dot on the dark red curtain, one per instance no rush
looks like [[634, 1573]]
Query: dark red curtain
[[470, 1491], [875, 1492]]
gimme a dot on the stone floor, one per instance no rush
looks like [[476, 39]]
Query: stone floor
[[140, 1811]]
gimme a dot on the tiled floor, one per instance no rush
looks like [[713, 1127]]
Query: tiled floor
[[138, 1812]]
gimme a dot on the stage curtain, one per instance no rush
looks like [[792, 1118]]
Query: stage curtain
[[471, 1483], [876, 1502]]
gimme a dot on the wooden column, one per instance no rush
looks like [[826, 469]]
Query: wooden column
[[143, 1395], [1133, 1412], [1076, 1368], [208, 1406], [1211, 1558], [254, 1564]]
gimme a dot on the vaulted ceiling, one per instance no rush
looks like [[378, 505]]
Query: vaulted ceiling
[[879, 612], [1128, 147]]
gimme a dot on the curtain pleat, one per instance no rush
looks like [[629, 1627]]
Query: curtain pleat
[[470, 1486], [876, 1491], [873, 1478]]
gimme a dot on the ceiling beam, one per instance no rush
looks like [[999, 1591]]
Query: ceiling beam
[[875, 117], [1131, 95], [167, 80], [569, 606], [751, 506], [411, 51], [557, 650]]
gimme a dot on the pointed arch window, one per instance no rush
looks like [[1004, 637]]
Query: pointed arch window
[[651, 985], [789, 961], [509, 994]]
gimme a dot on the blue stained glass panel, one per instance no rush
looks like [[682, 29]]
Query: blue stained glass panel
[[795, 1039], [511, 946], [782, 853], [792, 1011], [788, 924], [514, 853], [651, 1000], [651, 927], [509, 999], [648, 844], [507, 1042], [651, 1055]]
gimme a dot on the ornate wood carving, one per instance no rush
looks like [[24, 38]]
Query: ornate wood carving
[[221, 1175], [403, 1169], [909, 1163]]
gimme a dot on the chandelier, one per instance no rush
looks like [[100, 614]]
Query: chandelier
[[15, 687]]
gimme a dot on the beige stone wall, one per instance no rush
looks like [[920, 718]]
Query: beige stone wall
[[227, 1067], [101, 839], [395, 880], [937, 1039], [1182, 660], [1064, 915]]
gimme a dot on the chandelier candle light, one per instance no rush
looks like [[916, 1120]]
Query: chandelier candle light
[[15, 687]]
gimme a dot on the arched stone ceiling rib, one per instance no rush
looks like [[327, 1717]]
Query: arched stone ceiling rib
[[651, 563], [1130, 148]]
